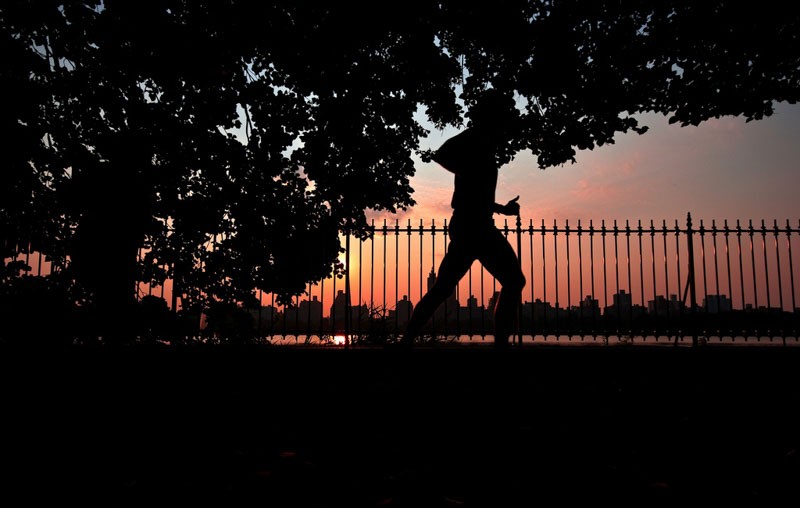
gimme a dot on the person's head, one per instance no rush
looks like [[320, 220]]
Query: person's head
[[494, 111]]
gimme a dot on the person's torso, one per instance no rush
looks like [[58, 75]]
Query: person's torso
[[474, 193]]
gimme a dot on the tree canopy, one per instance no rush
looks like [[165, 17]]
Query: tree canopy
[[235, 140]]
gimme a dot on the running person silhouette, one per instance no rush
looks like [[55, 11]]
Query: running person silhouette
[[473, 157]]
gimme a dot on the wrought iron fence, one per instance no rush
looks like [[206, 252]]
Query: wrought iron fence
[[644, 281], [627, 281]]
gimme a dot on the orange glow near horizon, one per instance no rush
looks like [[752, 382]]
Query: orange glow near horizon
[[562, 270], [762, 269]]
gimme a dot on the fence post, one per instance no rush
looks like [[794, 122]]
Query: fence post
[[519, 260], [347, 307], [690, 281], [174, 297]]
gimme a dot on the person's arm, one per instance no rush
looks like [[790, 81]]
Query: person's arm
[[510, 208]]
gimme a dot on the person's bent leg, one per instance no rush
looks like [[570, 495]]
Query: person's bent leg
[[507, 309], [454, 265], [501, 261], [424, 310]]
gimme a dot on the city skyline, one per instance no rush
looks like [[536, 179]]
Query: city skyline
[[662, 316], [715, 303]]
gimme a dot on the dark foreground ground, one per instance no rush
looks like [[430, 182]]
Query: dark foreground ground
[[277, 427]]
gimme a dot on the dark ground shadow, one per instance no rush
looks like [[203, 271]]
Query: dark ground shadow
[[441, 427]]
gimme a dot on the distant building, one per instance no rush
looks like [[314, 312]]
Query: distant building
[[675, 306], [310, 313], [539, 310], [621, 306], [338, 311], [449, 308], [589, 307], [472, 304], [715, 304], [359, 314], [622, 300], [659, 306], [402, 313], [624, 308], [493, 300], [265, 318]]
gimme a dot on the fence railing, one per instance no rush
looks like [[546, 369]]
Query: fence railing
[[585, 280], [643, 280]]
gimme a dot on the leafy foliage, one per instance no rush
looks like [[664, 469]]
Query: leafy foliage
[[235, 140]]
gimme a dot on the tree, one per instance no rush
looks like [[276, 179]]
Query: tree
[[235, 140]]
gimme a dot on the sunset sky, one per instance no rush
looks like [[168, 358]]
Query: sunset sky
[[723, 169]]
